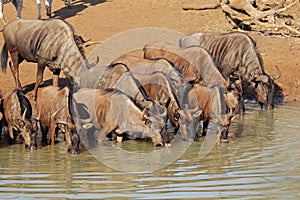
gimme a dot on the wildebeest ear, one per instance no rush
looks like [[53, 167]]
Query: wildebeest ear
[[21, 123], [262, 78]]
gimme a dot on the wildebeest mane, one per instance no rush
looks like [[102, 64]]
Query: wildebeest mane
[[140, 87], [77, 38], [24, 103], [170, 86], [117, 91], [174, 68]]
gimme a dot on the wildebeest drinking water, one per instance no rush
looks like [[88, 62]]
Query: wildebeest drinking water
[[237, 55], [50, 43]]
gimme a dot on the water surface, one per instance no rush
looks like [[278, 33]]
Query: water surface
[[261, 161]]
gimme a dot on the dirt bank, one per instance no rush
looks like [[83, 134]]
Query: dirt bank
[[97, 20]]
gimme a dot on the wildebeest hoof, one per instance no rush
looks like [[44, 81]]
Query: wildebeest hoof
[[168, 145], [31, 147], [73, 151], [224, 140]]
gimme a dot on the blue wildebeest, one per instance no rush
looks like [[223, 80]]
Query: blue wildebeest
[[119, 77], [111, 110], [18, 117], [205, 103], [116, 76], [237, 55], [146, 66], [165, 84], [53, 111], [158, 88], [50, 43], [199, 67]]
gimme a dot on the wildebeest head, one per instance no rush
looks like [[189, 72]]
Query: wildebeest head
[[28, 128], [236, 88], [264, 87], [155, 119], [188, 122], [231, 103], [68, 127]]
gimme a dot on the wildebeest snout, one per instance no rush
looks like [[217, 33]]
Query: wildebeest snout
[[75, 142]]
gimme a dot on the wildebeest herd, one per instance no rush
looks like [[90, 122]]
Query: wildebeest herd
[[134, 97]]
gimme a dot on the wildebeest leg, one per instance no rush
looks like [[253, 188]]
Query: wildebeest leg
[[48, 5], [205, 127], [1, 13], [68, 137], [38, 3], [55, 77], [69, 4], [119, 134], [53, 131], [15, 68], [39, 79], [44, 135], [100, 134], [18, 5], [10, 131]]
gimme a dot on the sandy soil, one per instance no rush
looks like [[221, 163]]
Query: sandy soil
[[98, 20]]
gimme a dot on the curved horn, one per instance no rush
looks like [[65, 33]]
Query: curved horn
[[262, 78], [87, 120], [278, 73], [62, 121], [24, 114], [93, 64]]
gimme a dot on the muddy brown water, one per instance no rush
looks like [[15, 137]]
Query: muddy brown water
[[261, 161]]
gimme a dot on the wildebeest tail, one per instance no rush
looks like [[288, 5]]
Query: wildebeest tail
[[4, 57]]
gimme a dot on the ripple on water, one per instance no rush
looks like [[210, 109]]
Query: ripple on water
[[261, 161]]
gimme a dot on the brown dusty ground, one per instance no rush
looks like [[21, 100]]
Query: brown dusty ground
[[98, 20]]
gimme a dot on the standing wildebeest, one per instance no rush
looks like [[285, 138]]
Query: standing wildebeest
[[119, 77], [113, 111], [50, 43], [205, 103], [18, 116], [237, 55], [163, 82], [53, 110], [146, 66], [198, 67], [158, 88], [116, 76]]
